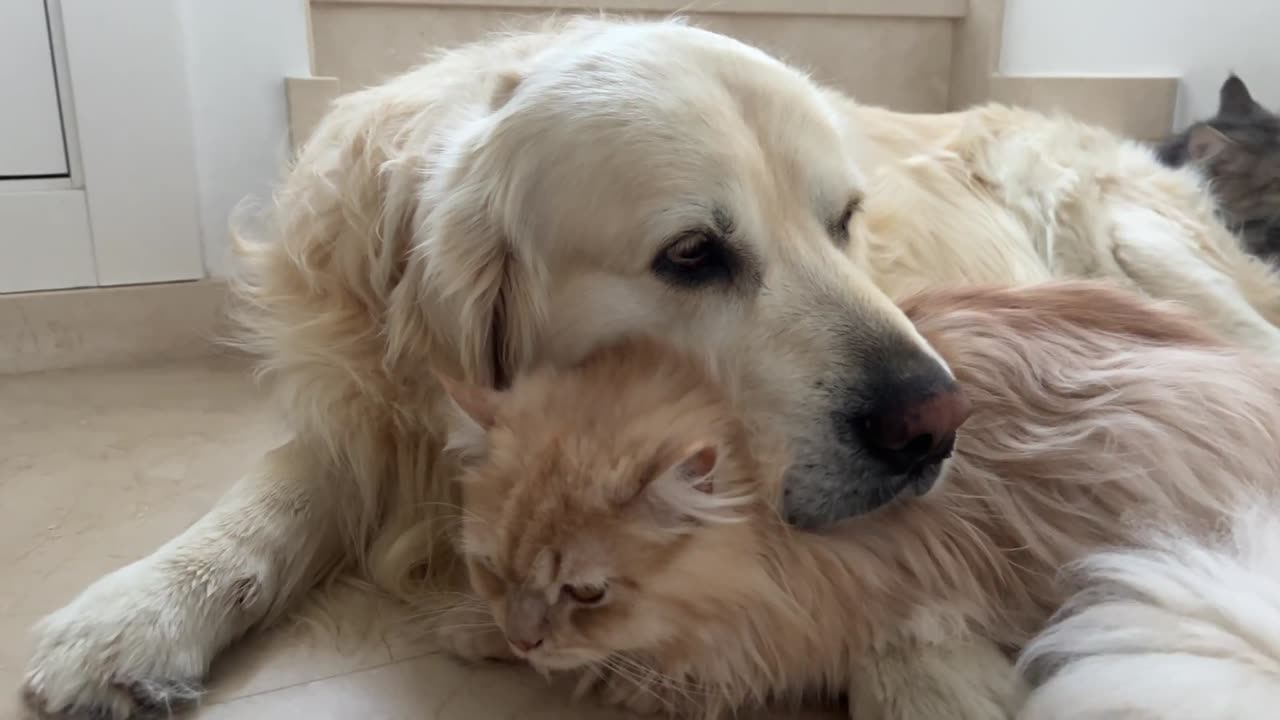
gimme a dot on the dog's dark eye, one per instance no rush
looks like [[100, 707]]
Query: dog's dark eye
[[586, 594], [694, 259], [689, 252]]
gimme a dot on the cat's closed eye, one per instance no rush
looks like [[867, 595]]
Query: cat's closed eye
[[587, 594]]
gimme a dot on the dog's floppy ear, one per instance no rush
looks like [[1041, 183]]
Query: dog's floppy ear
[[482, 274]]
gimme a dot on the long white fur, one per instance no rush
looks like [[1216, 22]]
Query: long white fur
[[1182, 630]]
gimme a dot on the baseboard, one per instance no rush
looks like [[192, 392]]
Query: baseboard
[[111, 326], [1137, 107]]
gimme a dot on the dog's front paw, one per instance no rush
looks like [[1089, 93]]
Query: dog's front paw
[[120, 651], [471, 635]]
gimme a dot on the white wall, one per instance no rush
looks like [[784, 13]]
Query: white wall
[[238, 53], [1200, 41]]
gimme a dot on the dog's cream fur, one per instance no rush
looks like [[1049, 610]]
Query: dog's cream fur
[[1014, 197], [402, 242]]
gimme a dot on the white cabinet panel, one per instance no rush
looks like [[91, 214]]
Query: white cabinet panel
[[44, 241], [133, 112], [30, 122]]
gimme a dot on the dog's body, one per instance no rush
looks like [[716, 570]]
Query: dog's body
[[524, 200], [999, 195]]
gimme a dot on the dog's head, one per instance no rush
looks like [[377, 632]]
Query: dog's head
[[660, 179]]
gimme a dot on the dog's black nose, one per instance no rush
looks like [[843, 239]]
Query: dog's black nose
[[914, 424]]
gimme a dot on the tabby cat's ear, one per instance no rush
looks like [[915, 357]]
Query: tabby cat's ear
[[1234, 99], [473, 413], [696, 469], [1204, 143]]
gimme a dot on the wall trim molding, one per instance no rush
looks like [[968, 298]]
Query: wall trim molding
[[308, 100], [1138, 107], [953, 9], [975, 53]]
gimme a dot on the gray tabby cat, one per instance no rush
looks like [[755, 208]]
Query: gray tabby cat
[[1239, 151]]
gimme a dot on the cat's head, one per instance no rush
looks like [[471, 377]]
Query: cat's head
[[1239, 151], [603, 504]]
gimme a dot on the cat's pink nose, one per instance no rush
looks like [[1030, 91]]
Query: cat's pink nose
[[526, 623], [525, 645]]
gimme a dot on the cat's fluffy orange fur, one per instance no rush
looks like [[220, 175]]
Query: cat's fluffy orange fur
[[1096, 416]]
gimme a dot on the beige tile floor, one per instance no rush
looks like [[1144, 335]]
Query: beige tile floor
[[98, 467]]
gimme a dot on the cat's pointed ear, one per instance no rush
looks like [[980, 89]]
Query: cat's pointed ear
[[473, 413], [690, 487], [1234, 99], [696, 467], [1205, 143]]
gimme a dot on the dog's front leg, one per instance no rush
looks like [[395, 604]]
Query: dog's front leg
[[961, 678], [139, 640]]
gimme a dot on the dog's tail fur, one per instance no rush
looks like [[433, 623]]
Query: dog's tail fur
[[1181, 630]]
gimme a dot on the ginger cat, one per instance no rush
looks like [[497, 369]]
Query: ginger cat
[[619, 522]]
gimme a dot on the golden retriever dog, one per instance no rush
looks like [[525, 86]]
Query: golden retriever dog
[[526, 199]]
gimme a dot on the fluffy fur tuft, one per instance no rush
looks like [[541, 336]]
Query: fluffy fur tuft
[[1185, 628]]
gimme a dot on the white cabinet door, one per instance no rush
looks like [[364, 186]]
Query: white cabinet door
[[44, 241], [30, 121]]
